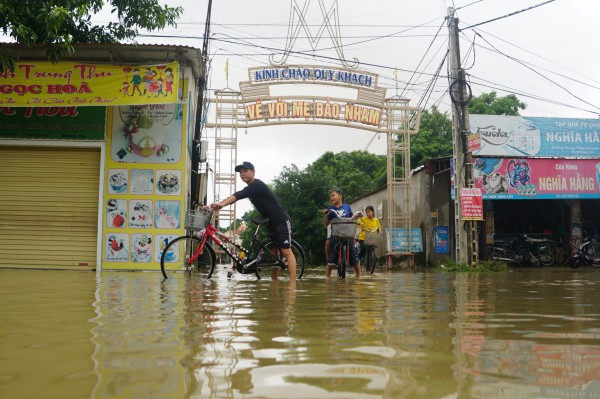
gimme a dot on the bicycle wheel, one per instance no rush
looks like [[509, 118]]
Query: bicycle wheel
[[370, 259], [178, 253], [343, 259], [269, 256]]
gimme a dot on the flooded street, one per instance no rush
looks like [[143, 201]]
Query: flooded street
[[522, 334]]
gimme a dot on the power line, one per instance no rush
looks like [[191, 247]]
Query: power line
[[508, 15], [422, 59], [540, 74], [496, 86], [538, 56]]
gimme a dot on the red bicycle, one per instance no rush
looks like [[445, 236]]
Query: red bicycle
[[194, 253]]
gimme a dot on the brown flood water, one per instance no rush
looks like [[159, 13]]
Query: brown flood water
[[523, 334]]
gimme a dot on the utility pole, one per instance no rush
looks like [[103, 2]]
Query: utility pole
[[465, 231], [198, 183]]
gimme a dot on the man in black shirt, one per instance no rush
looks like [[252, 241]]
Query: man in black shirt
[[268, 206]]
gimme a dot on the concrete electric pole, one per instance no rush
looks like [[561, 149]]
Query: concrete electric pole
[[465, 231]]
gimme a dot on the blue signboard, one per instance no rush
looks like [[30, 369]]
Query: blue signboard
[[441, 240], [522, 136], [397, 240]]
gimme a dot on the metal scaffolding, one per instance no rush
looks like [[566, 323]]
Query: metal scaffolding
[[228, 112], [400, 122]]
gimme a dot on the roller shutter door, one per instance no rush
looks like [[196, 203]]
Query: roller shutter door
[[49, 207]]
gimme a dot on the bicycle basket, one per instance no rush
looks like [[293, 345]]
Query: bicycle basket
[[343, 228], [373, 238], [197, 220]]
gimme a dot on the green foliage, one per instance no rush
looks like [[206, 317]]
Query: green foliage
[[58, 24], [482, 266], [490, 104], [305, 193], [434, 139]]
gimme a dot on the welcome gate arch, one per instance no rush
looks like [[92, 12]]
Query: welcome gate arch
[[368, 109]]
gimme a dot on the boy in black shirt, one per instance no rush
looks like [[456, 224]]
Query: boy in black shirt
[[268, 206]]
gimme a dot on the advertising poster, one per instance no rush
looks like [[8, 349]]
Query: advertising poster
[[520, 136], [472, 204], [145, 185], [441, 240], [397, 240], [117, 247], [527, 178], [81, 84], [147, 134]]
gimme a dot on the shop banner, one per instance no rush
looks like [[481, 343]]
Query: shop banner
[[472, 204], [145, 185], [53, 123], [397, 240], [38, 84], [509, 178], [441, 239], [521, 136]]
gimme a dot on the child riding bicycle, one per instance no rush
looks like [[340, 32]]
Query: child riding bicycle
[[367, 223], [338, 209]]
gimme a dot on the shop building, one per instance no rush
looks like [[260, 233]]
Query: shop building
[[538, 176], [95, 155]]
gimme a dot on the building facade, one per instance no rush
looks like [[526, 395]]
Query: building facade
[[95, 155]]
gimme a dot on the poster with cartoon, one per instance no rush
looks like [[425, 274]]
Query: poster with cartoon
[[142, 181], [167, 214], [141, 250], [116, 213], [140, 214], [168, 182], [117, 247], [118, 181], [145, 178], [161, 241], [536, 178], [91, 84], [149, 133]]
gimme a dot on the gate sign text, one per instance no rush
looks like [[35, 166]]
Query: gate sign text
[[313, 109], [312, 73]]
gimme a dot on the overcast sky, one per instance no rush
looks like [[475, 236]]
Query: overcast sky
[[547, 55]]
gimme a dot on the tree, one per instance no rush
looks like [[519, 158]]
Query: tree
[[490, 104], [434, 139], [58, 24]]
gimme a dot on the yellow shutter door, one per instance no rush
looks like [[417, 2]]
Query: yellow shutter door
[[49, 207]]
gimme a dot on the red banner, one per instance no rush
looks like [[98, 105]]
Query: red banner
[[472, 204]]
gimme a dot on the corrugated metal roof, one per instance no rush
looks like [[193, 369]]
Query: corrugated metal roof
[[117, 54]]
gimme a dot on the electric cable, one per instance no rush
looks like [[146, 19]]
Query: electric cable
[[508, 15], [540, 74], [422, 59]]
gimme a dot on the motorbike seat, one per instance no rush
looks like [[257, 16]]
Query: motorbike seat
[[537, 240]]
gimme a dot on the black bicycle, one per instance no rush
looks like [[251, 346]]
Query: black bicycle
[[369, 259], [343, 230], [372, 241]]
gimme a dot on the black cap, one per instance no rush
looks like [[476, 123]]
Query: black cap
[[244, 165]]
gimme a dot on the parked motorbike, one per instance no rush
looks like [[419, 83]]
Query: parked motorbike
[[586, 253], [541, 251], [524, 249]]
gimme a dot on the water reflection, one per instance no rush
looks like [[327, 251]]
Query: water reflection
[[528, 334]]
